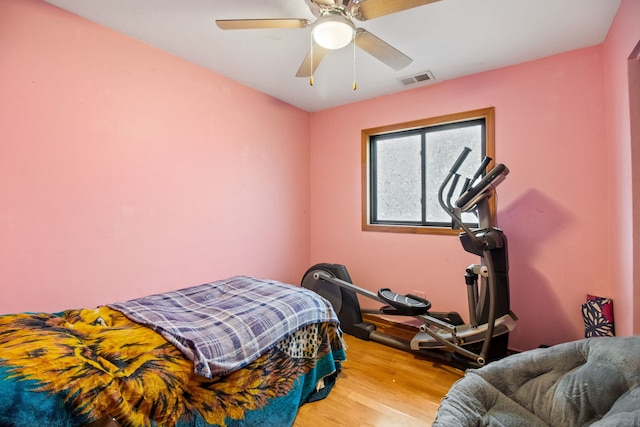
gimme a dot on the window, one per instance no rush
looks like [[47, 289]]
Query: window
[[404, 164]]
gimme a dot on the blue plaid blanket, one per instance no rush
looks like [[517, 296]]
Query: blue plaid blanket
[[225, 325]]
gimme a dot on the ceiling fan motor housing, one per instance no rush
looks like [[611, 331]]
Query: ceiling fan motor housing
[[333, 31]]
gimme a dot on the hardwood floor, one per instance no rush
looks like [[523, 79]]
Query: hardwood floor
[[380, 386]]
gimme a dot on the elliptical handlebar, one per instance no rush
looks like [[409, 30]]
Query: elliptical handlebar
[[460, 160], [446, 204], [473, 196], [452, 188], [480, 170]]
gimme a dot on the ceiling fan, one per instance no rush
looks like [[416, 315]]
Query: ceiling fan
[[334, 29]]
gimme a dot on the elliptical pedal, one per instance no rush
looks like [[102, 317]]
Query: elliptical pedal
[[408, 305]]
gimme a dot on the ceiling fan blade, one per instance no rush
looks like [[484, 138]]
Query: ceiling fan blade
[[381, 50], [369, 9], [326, 2], [305, 68], [252, 24]]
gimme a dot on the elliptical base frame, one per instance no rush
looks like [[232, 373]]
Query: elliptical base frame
[[333, 282]]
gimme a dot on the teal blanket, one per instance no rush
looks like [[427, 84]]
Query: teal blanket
[[79, 366]]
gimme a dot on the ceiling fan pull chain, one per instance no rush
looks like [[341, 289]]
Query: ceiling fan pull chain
[[353, 42], [311, 60]]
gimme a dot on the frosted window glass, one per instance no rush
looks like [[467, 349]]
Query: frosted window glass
[[404, 166], [442, 150], [399, 179], [401, 195]]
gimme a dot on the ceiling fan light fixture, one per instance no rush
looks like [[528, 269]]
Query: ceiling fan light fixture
[[333, 31]]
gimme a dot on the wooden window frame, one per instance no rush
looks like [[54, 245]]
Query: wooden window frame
[[488, 114]]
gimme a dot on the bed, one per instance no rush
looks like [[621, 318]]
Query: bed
[[590, 382], [236, 352]]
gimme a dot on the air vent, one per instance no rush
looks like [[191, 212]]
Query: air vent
[[421, 77]]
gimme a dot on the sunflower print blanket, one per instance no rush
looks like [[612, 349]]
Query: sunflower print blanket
[[78, 366]]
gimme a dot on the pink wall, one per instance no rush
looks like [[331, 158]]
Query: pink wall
[[550, 131], [624, 161], [127, 171]]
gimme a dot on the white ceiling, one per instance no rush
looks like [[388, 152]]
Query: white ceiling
[[450, 38]]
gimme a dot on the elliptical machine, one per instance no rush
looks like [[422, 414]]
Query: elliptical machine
[[442, 335]]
